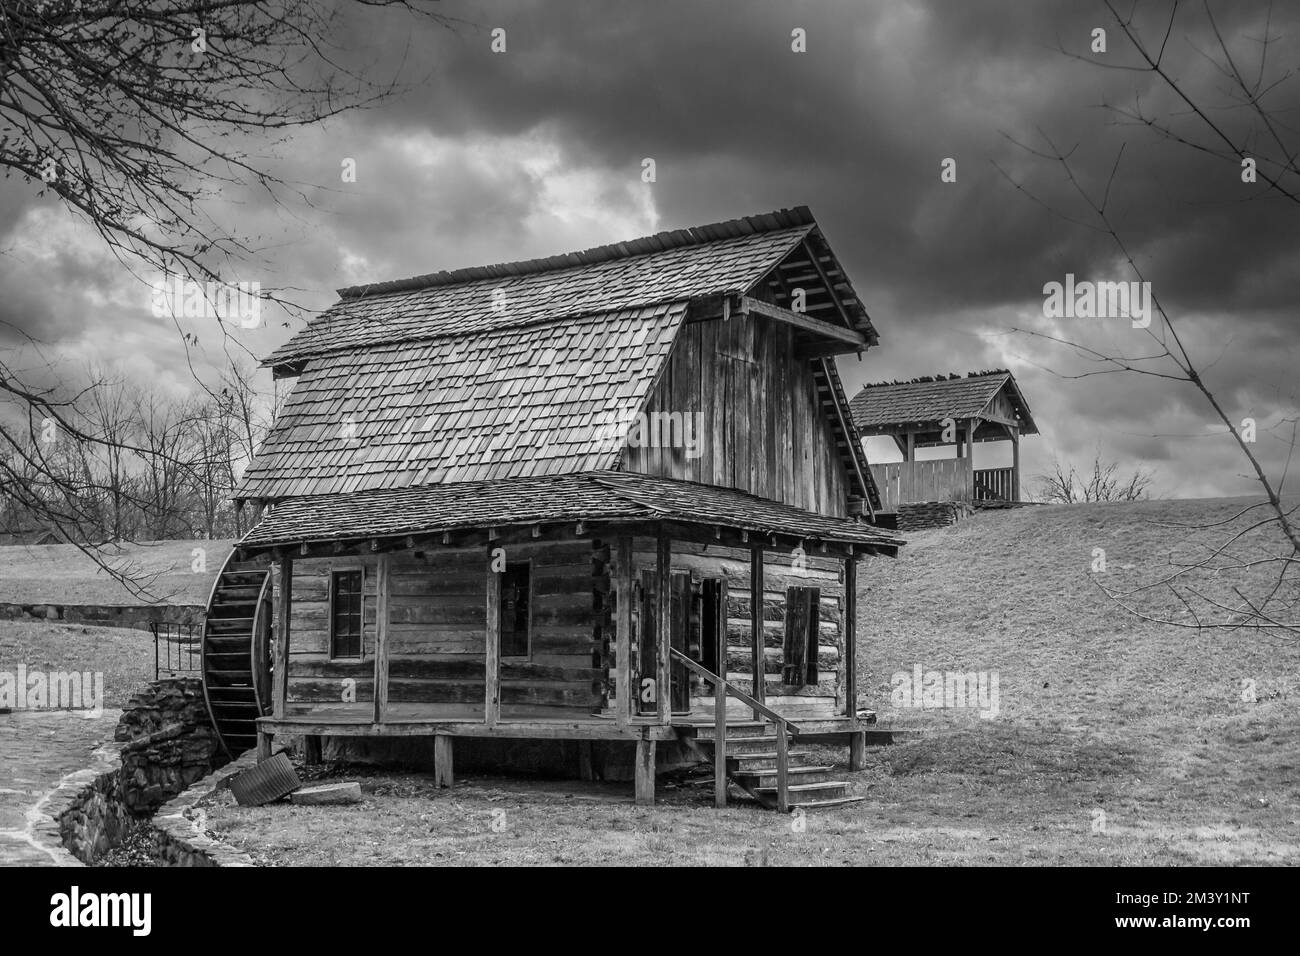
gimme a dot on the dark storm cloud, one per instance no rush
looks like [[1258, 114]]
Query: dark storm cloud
[[855, 128]]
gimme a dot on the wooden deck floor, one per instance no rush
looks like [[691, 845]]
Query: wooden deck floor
[[404, 720]]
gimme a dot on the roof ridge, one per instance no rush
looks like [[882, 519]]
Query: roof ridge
[[722, 231], [939, 379]]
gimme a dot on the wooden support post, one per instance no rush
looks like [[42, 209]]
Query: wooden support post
[[720, 745], [381, 641], [851, 636], [782, 769], [586, 761], [444, 774], [910, 453], [755, 626], [492, 650], [664, 619], [857, 750], [645, 772], [264, 745], [623, 592], [311, 750], [1015, 464], [280, 675]]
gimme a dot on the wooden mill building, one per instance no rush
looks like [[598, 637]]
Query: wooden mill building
[[583, 498], [955, 411]]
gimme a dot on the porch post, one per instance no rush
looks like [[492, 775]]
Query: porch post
[[1015, 464], [663, 616], [492, 654], [910, 453], [850, 635], [757, 657], [381, 640], [644, 773], [626, 698], [280, 677]]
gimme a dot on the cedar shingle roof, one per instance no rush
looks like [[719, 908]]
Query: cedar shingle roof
[[512, 371], [932, 400], [596, 496], [722, 258], [506, 403]]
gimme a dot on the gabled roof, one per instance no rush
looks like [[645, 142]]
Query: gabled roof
[[593, 497], [526, 369], [725, 258], [926, 401], [508, 402]]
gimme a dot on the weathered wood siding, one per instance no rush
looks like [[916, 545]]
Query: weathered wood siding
[[1001, 406], [437, 621], [763, 429], [823, 699], [909, 482]]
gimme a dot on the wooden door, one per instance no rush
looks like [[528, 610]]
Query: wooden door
[[680, 699]]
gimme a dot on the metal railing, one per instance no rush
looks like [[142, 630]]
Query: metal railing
[[177, 648], [785, 729]]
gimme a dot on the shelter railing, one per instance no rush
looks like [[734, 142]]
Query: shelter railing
[[785, 729], [994, 484]]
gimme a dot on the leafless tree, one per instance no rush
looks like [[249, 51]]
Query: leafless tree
[[1199, 599], [135, 114], [1064, 484]]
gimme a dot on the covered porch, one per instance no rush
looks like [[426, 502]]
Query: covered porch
[[957, 412], [675, 602]]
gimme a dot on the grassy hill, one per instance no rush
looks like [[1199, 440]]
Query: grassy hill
[[161, 572], [1117, 741], [1099, 710]]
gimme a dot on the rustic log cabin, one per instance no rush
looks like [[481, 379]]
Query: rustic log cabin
[[614, 498], [952, 411]]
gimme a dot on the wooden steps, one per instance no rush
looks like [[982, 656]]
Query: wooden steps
[[751, 765]]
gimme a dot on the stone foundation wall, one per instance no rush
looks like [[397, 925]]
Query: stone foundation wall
[[104, 615], [931, 514], [179, 829], [169, 742]]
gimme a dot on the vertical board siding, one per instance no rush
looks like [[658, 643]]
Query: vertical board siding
[[765, 431], [911, 482]]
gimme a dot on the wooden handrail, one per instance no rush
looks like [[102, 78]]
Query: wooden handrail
[[784, 730], [736, 692]]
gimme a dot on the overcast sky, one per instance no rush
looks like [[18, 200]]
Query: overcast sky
[[489, 157]]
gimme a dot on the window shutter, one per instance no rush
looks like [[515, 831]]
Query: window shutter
[[799, 654]]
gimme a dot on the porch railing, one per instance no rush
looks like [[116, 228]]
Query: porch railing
[[906, 482], [784, 731], [994, 484], [177, 649]]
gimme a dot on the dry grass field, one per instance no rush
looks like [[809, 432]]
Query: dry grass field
[[123, 655], [63, 574], [1117, 741]]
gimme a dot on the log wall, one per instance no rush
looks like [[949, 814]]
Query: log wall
[[437, 620], [823, 699]]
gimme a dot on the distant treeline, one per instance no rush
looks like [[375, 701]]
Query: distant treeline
[[124, 461]]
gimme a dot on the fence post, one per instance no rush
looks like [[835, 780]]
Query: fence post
[[153, 626]]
